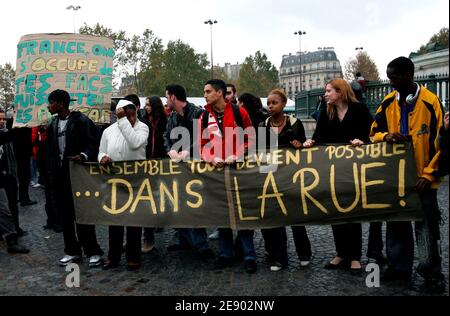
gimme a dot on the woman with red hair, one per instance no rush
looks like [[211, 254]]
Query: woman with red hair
[[344, 121]]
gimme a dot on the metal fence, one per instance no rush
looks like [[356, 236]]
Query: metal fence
[[306, 101]]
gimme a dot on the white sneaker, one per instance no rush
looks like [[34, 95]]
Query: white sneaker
[[214, 235], [95, 261], [36, 185], [275, 267], [304, 263], [68, 259]]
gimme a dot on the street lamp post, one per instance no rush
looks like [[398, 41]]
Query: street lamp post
[[75, 8], [300, 33], [358, 51], [211, 22]]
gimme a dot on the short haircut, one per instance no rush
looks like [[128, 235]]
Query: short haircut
[[178, 91], [59, 95], [218, 85], [232, 86], [280, 93], [2, 110], [358, 74], [134, 99], [402, 65]]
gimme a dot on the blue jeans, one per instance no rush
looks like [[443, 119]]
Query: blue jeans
[[400, 241], [428, 236], [194, 237], [226, 243]]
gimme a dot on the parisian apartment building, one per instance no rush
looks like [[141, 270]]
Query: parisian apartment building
[[314, 68]]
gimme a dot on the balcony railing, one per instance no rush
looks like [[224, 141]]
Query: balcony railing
[[306, 101]]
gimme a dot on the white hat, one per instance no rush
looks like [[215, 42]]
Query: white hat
[[124, 103]]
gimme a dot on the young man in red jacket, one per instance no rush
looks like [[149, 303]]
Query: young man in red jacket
[[220, 146]]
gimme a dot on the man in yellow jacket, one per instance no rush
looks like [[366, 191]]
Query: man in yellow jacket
[[413, 112]]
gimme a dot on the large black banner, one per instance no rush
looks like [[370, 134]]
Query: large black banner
[[319, 185]]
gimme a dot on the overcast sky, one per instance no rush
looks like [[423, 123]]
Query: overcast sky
[[385, 28]]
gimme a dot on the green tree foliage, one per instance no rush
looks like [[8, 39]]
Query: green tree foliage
[[437, 42], [7, 85], [133, 55], [258, 75], [139, 57], [179, 64], [364, 64], [120, 41]]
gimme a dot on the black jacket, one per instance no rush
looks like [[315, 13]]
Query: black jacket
[[191, 112], [156, 150], [7, 158], [356, 124], [81, 137], [293, 130]]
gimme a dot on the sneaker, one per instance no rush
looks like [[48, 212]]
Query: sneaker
[[68, 259], [95, 261], [304, 263], [148, 247], [36, 185], [250, 266], [276, 266], [214, 235]]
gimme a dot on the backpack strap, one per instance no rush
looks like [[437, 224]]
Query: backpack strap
[[237, 115], [205, 117]]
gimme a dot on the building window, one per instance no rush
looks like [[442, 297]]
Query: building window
[[334, 66]]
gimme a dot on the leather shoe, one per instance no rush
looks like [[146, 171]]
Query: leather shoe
[[28, 203], [110, 265], [250, 266], [223, 263], [206, 254], [332, 266], [356, 271], [435, 285], [133, 266], [379, 258], [391, 275]]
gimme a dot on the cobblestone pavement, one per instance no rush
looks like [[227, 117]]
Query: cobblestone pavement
[[182, 274]]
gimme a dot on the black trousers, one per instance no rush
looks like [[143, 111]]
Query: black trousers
[[23, 175], [348, 241], [275, 243], [375, 244], [11, 192], [77, 237], [54, 218], [6, 220], [133, 249]]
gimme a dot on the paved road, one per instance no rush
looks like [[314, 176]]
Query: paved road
[[182, 274]]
